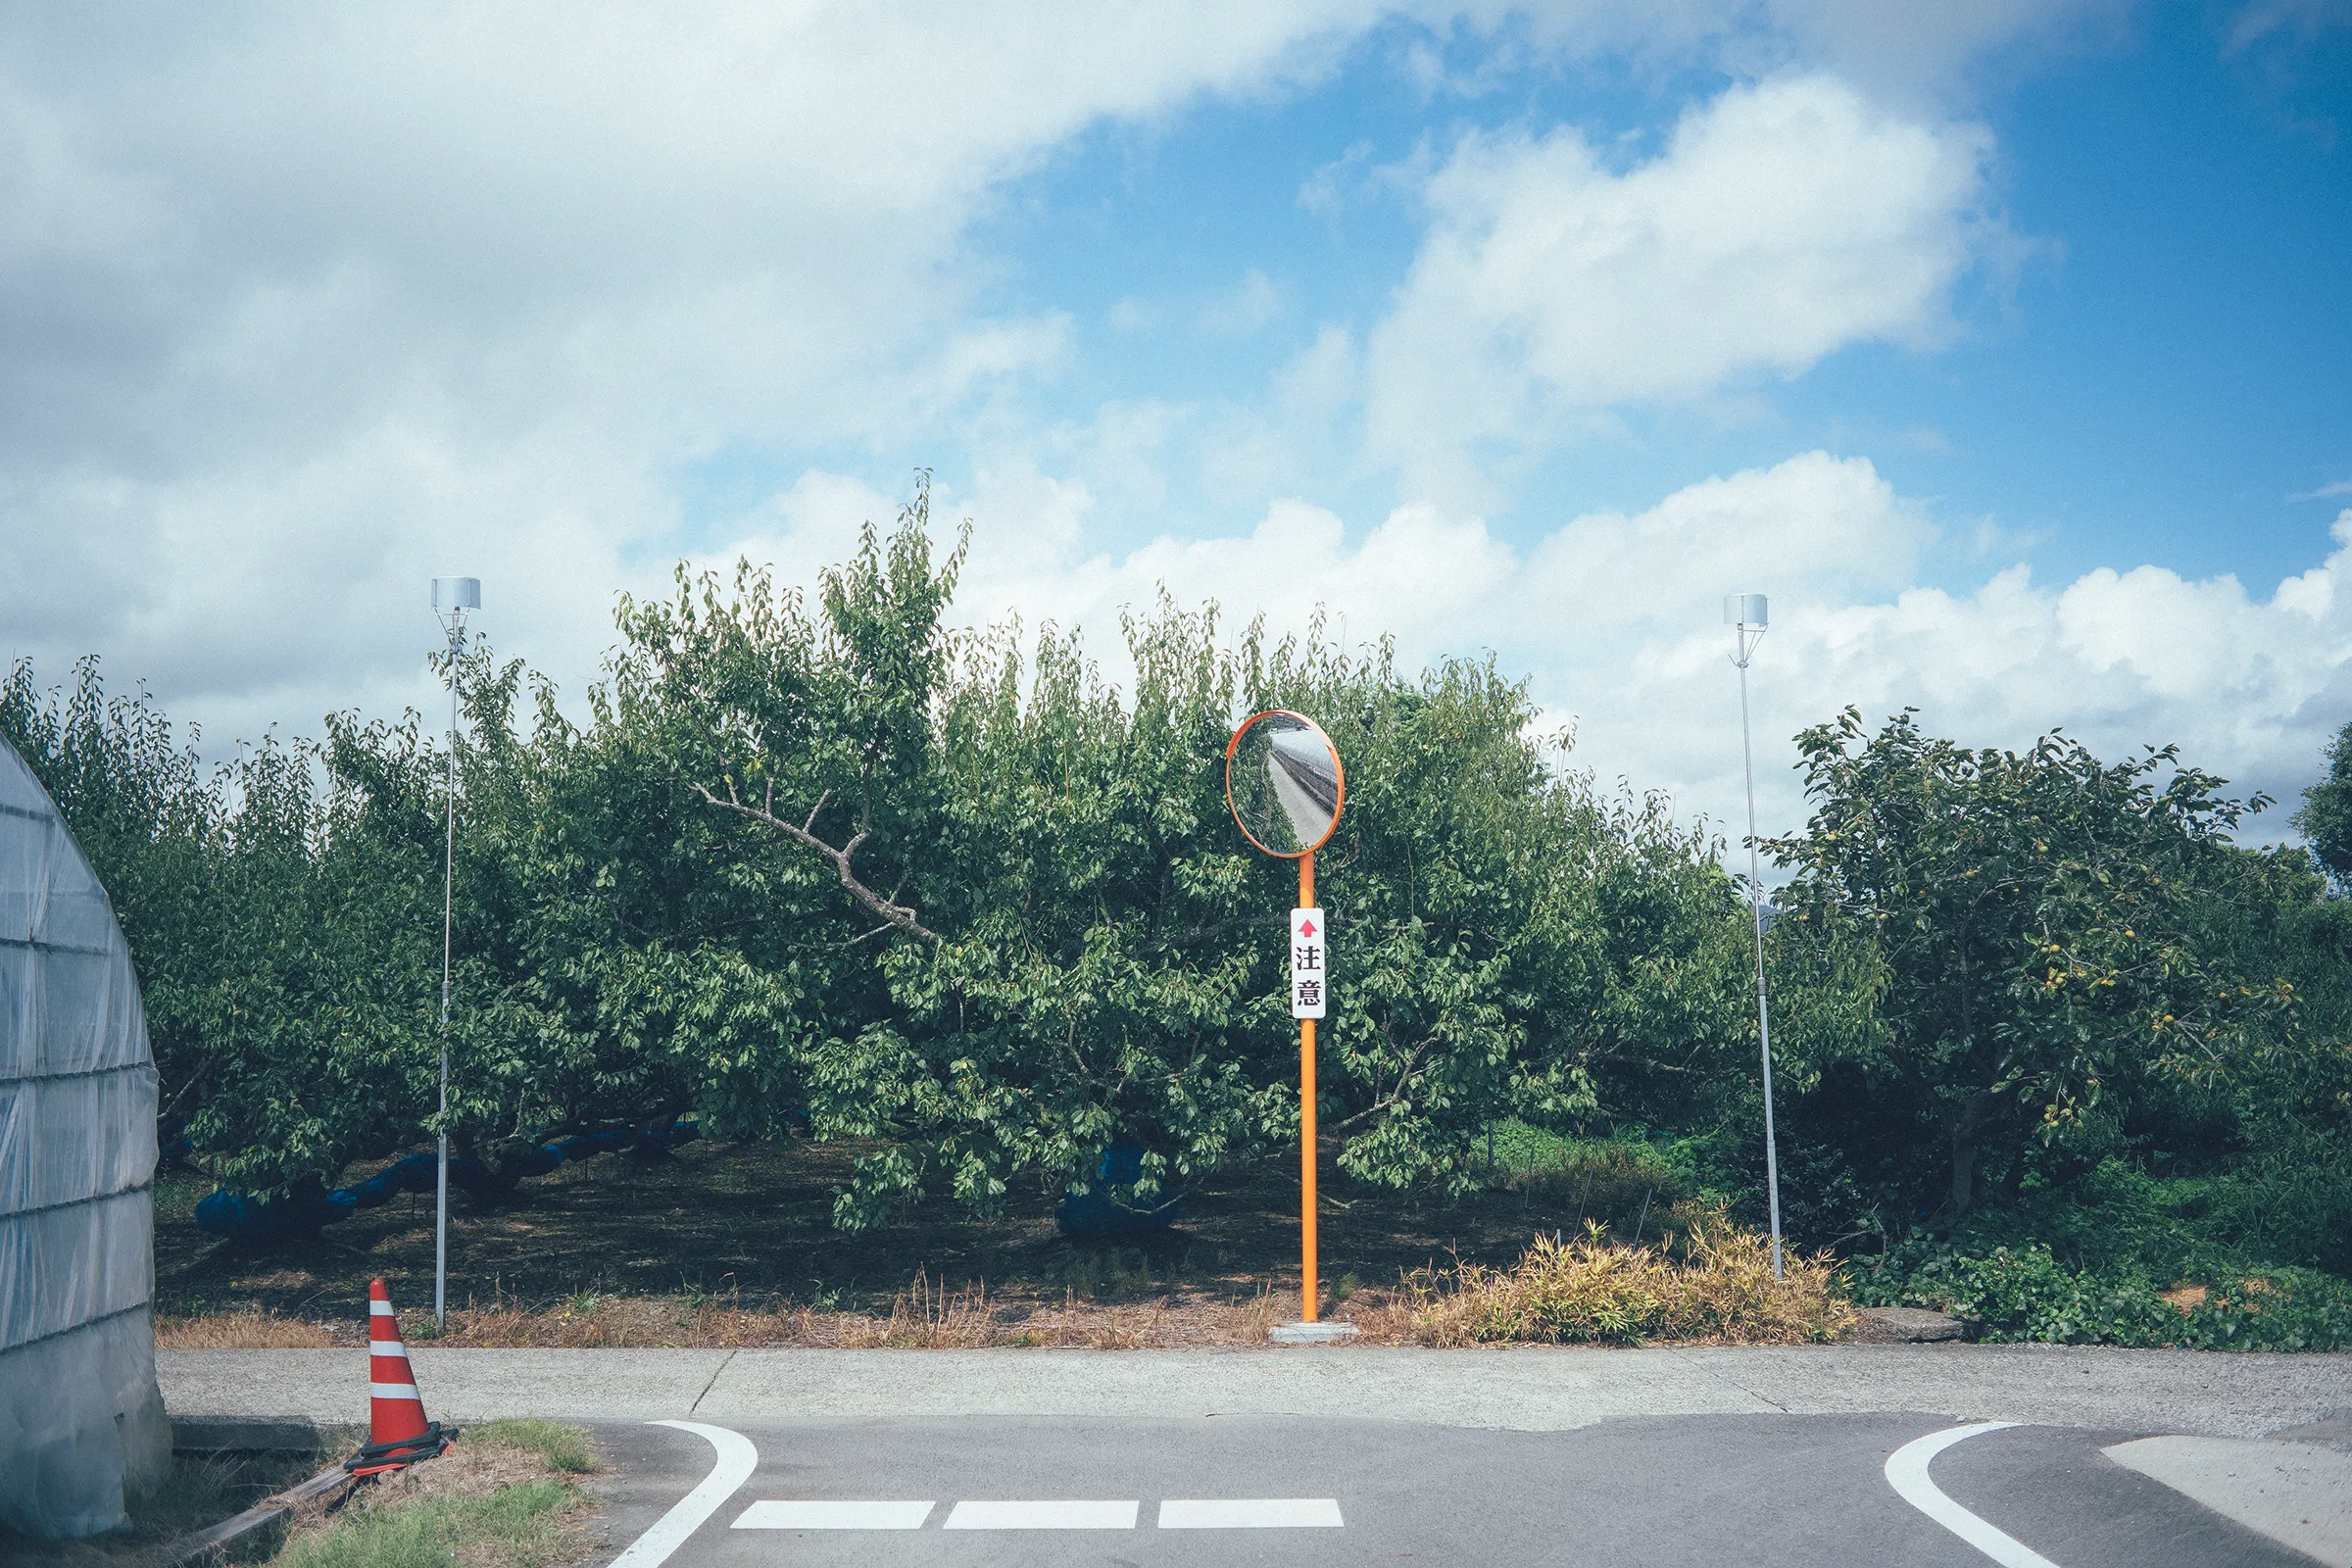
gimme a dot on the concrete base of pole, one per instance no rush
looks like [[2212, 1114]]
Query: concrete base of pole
[[1310, 1333]]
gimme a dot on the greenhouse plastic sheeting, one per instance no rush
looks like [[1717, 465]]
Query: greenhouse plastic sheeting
[[79, 1415]]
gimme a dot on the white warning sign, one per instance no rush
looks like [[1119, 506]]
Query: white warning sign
[[1309, 983]]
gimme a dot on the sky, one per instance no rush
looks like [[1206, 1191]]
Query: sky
[[2006, 346]]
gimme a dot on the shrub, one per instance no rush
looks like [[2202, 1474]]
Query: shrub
[[1589, 1290], [2025, 1294]]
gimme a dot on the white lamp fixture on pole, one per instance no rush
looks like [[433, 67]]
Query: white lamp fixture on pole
[[452, 598], [1748, 615]]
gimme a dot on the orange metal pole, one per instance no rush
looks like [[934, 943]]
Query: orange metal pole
[[1309, 1292]]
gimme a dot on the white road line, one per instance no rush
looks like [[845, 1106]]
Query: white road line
[[834, 1515], [1249, 1513], [736, 1462], [1015, 1515], [1907, 1474]]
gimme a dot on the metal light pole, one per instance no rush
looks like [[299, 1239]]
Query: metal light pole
[[1749, 614], [452, 598]]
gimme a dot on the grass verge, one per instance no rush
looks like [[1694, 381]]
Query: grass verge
[[609, 1257], [502, 1497]]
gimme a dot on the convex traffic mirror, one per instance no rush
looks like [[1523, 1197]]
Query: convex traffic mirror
[[1283, 780]]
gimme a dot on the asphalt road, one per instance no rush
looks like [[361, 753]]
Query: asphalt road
[[1736, 1455], [1765, 1491]]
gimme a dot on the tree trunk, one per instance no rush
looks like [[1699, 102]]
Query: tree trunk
[[1965, 1126], [2015, 1181]]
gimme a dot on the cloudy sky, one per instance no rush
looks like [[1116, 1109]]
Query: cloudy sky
[[2005, 344]]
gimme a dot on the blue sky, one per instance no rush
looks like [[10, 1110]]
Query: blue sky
[[2159, 370], [1998, 343], [2157, 373]]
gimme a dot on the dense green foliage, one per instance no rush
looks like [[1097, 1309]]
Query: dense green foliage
[[2026, 1293], [2083, 996], [948, 893], [284, 939], [2326, 815], [2049, 932], [834, 867]]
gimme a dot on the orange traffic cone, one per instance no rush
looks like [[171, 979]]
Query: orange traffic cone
[[397, 1433]]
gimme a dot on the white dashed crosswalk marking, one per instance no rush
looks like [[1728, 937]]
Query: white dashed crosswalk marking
[[834, 1515], [1249, 1513], [1064, 1515]]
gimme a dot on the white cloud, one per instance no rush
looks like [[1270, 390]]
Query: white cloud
[[1327, 191], [1244, 308], [300, 307], [1926, 52], [1910, 53], [1781, 222]]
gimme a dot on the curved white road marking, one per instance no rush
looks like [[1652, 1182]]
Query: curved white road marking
[[1907, 1474], [736, 1462]]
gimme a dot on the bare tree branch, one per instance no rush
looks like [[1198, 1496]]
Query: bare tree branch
[[1395, 1096], [897, 915]]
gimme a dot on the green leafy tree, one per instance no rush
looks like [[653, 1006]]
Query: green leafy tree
[[1040, 932], [831, 864], [2326, 815], [2046, 925], [285, 943]]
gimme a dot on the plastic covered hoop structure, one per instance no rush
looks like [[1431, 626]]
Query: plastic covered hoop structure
[[79, 1413]]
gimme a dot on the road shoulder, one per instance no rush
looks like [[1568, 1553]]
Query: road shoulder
[[2297, 1494]]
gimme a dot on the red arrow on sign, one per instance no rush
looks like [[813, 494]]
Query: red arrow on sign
[[1306, 928]]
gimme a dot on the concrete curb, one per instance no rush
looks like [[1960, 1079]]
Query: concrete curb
[[300, 1434], [1535, 1389]]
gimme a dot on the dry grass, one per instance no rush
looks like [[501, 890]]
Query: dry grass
[[721, 1226], [1719, 1290], [2186, 1297], [249, 1328], [926, 1315], [1705, 1281]]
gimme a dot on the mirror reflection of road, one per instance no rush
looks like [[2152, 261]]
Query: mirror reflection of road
[[1305, 780], [1748, 1490]]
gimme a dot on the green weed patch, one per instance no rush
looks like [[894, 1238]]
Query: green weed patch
[[501, 1497], [2025, 1294], [515, 1527], [561, 1447]]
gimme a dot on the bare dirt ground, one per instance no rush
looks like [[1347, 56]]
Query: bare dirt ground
[[732, 1244]]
